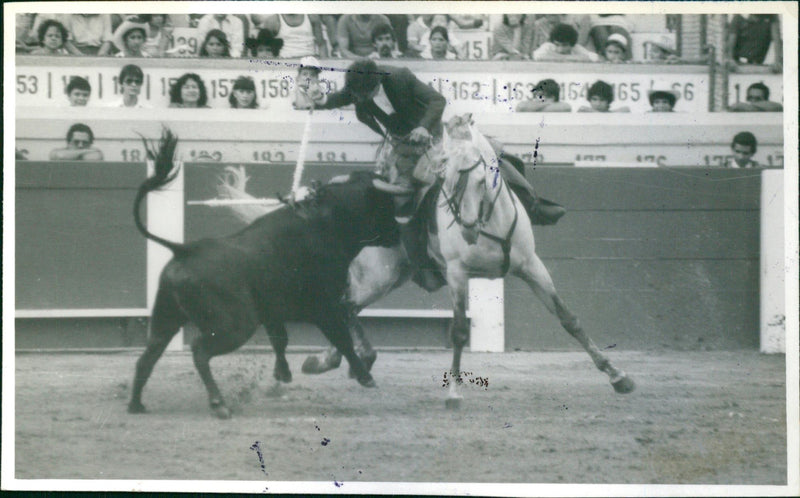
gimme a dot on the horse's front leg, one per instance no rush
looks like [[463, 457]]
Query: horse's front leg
[[459, 330], [535, 274]]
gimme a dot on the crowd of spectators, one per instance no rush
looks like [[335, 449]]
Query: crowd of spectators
[[545, 37]]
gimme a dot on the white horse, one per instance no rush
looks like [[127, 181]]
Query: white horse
[[484, 231]]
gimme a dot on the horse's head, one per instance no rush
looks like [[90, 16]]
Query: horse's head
[[469, 185]]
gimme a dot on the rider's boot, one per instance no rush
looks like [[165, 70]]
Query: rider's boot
[[426, 274], [541, 211]]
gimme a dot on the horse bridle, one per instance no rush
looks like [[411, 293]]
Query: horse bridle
[[454, 204]]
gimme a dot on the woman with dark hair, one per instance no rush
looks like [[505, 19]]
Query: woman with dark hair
[[52, 36], [215, 45], [189, 92], [243, 95], [439, 47], [513, 39]]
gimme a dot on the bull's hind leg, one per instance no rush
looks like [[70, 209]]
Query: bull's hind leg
[[535, 274], [166, 321]]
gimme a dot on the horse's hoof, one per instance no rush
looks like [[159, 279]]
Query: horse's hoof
[[452, 403], [624, 385], [220, 410], [136, 408], [311, 365], [367, 381], [368, 359], [283, 374]]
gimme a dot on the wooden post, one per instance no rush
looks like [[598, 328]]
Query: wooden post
[[486, 313]]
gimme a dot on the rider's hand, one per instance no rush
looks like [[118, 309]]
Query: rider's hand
[[419, 134]]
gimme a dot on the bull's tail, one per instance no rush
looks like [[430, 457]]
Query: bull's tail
[[165, 171]]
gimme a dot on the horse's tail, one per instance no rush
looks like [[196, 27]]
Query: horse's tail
[[165, 171]]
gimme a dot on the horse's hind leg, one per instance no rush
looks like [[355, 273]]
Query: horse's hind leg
[[535, 274], [166, 321]]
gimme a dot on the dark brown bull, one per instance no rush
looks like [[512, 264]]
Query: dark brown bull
[[288, 265]]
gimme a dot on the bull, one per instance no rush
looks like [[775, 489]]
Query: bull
[[289, 265]]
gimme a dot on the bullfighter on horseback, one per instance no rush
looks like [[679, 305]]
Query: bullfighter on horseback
[[408, 114]]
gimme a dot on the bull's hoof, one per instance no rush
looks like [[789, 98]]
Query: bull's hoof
[[452, 403], [368, 359], [624, 385], [136, 408], [282, 373], [367, 381], [220, 410]]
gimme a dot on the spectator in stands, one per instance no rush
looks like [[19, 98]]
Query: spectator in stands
[[78, 91], [130, 38], [89, 34], [131, 79], [439, 47], [605, 25], [307, 83], [749, 38], [615, 48], [744, 146], [160, 34], [52, 37], [600, 97], [232, 26], [330, 24], [301, 34], [513, 39], [79, 146], [25, 25], [659, 52], [542, 28], [354, 33], [188, 92], [563, 47], [545, 99], [384, 42], [215, 45], [662, 100], [243, 95], [265, 45], [400, 24], [757, 100]]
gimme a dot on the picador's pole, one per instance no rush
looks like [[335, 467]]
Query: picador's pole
[[301, 154]]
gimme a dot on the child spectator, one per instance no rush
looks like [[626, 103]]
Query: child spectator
[[354, 33], [131, 79], [89, 34], [189, 92], [79, 146], [160, 34], [384, 42], [545, 99], [307, 83], [600, 97], [512, 40], [243, 95], [662, 100], [265, 45], [215, 45], [232, 26], [749, 38], [130, 38], [52, 37], [757, 100], [744, 146], [439, 47], [78, 91], [605, 25], [615, 48], [563, 47], [542, 28], [301, 34]]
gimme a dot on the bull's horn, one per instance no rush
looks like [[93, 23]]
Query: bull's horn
[[340, 179], [391, 189]]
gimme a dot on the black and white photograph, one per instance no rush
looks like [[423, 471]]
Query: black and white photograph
[[426, 248]]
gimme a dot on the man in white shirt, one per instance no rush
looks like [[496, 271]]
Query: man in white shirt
[[131, 79], [232, 26]]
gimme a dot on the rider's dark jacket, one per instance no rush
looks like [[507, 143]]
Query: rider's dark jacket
[[415, 104]]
